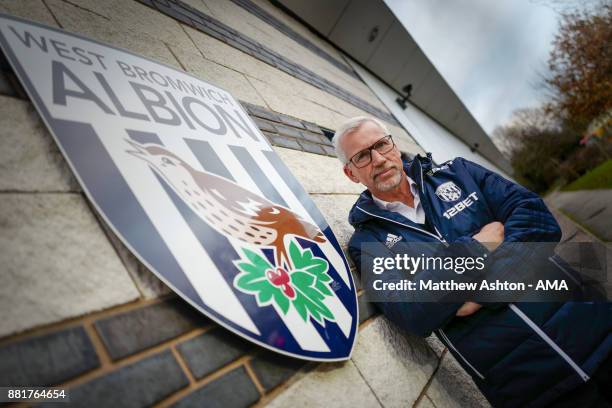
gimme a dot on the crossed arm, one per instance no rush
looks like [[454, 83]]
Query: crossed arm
[[524, 217], [491, 235], [521, 216]]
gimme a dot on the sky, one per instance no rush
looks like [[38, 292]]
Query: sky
[[493, 53]]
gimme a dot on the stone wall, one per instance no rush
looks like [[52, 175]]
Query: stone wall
[[80, 311]]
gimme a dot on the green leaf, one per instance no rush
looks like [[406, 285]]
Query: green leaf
[[302, 279], [300, 307], [319, 270], [327, 313], [296, 255], [324, 278], [308, 299], [265, 296], [250, 268], [252, 279], [247, 282], [256, 286], [321, 287], [257, 260], [313, 265], [282, 302], [309, 278]]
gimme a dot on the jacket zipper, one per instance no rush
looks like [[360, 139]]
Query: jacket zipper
[[423, 201], [444, 336], [482, 377], [550, 342], [442, 239]]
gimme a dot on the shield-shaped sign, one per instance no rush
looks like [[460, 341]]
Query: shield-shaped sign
[[182, 175]]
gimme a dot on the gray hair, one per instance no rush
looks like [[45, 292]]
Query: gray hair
[[350, 126]]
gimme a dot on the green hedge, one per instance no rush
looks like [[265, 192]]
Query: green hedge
[[598, 178]]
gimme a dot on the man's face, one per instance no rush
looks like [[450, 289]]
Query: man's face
[[384, 173]]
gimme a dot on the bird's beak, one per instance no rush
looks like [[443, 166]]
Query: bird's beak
[[139, 150]]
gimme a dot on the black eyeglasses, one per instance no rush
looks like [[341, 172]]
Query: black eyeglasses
[[364, 157]]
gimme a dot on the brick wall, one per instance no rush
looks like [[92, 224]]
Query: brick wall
[[80, 311], [145, 353]]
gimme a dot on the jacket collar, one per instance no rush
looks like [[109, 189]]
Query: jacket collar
[[365, 208]]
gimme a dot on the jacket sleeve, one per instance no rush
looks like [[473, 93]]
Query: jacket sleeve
[[415, 317], [524, 215]]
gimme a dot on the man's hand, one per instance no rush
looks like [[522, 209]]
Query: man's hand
[[467, 309], [491, 235]]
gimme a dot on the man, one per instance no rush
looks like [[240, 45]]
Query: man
[[519, 354]]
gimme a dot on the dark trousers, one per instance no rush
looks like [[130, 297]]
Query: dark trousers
[[595, 393]]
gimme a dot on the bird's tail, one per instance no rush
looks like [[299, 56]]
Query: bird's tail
[[320, 237], [314, 233]]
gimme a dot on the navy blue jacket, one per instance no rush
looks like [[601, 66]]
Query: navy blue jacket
[[519, 354]]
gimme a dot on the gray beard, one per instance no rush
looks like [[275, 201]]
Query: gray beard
[[389, 185]]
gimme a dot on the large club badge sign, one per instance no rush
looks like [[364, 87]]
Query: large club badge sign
[[186, 180]]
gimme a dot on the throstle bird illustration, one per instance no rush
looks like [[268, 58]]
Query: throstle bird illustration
[[229, 208]]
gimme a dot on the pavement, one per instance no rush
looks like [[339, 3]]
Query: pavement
[[590, 208], [598, 258]]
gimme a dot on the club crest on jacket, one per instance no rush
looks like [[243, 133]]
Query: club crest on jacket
[[448, 192]]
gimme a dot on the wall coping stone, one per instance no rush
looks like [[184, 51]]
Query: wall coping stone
[[192, 17]]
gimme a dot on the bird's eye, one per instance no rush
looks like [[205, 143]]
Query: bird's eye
[[166, 160]]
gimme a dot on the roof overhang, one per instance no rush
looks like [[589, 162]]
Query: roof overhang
[[369, 32]]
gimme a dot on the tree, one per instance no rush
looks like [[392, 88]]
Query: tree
[[566, 6], [543, 143], [581, 66], [538, 144]]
